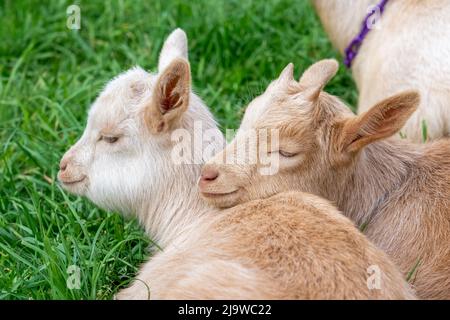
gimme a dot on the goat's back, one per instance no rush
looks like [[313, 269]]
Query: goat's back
[[302, 243]]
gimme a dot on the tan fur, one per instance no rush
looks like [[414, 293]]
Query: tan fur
[[409, 49], [290, 246], [398, 191]]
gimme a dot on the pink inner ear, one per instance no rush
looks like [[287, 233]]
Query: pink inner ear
[[170, 97], [171, 102]]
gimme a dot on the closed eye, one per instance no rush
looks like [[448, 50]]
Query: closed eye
[[109, 139], [287, 154]]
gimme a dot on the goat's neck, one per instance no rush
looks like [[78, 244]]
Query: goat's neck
[[342, 19], [380, 169], [176, 206], [176, 209]]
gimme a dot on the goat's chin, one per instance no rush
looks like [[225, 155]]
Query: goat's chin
[[223, 200], [111, 196], [107, 201]]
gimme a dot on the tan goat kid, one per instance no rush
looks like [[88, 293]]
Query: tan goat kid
[[408, 49], [399, 192], [291, 246]]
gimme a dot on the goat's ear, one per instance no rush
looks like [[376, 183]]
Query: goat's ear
[[381, 121], [317, 76], [170, 97], [175, 46], [286, 76]]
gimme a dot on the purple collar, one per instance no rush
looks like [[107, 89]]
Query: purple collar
[[352, 50]]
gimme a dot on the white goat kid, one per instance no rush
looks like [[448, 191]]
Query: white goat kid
[[123, 161]]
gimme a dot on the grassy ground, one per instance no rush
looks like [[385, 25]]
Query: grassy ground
[[49, 75]]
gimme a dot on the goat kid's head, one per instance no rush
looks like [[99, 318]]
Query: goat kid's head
[[312, 134], [125, 150]]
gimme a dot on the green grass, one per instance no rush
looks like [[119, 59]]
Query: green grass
[[49, 76]]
